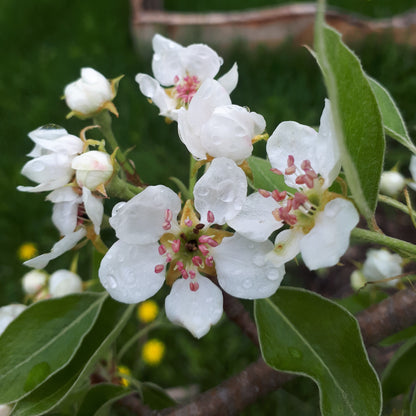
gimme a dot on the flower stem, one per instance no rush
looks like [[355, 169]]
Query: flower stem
[[404, 248], [103, 119], [121, 189], [158, 322], [192, 175]]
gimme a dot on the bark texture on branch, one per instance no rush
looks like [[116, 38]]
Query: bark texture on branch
[[392, 315]]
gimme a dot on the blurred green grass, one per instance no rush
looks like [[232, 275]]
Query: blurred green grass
[[44, 45]]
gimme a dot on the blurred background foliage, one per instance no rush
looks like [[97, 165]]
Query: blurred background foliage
[[44, 45]]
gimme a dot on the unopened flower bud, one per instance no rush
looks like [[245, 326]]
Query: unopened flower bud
[[64, 282], [357, 280], [90, 93], [93, 169], [33, 281], [9, 313], [391, 183], [381, 264], [5, 410]]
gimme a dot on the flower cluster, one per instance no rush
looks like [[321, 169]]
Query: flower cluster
[[213, 236]]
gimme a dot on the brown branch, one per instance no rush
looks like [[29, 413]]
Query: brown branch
[[394, 314]]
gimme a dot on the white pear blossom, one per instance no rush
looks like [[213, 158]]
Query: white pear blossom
[[63, 282], [153, 247], [34, 281], [92, 169], [392, 182], [5, 410], [212, 126], [381, 264], [9, 313], [179, 71], [51, 160], [320, 222], [90, 93], [412, 168]]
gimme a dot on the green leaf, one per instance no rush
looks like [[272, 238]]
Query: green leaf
[[361, 300], [301, 332], [155, 397], [47, 396], [100, 397], [392, 119], [42, 340], [356, 115], [400, 372], [400, 336], [264, 178], [413, 404]]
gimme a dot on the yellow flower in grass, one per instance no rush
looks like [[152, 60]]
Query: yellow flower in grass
[[153, 351], [124, 371], [147, 311], [27, 251]]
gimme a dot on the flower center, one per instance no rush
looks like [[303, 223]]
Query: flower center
[[185, 89], [298, 209], [187, 251]]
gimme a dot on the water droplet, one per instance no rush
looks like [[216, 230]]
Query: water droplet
[[295, 353], [111, 281], [226, 191], [247, 284], [272, 274], [209, 300], [202, 191], [130, 277], [259, 260], [251, 246], [121, 258]]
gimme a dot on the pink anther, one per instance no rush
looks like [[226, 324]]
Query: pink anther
[[279, 196], [188, 222], [264, 193], [203, 249], [299, 199], [194, 286], [162, 249], [276, 171], [209, 261], [197, 261], [210, 217], [176, 245], [192, 274], [290, 161], [159, 268]]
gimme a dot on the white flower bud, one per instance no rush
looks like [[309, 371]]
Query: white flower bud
[[64, 282], [357, 280], [5, 410], [8, 313], [93, 169], [381, 264], [33, 281], [391, 183], [89, 93]]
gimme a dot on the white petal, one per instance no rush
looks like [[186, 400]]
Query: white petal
[[328, 156], [291, 138], [62, 246], [243, 270], [201, 61], [230, 79], [65, 216], [127, 272], [140, 220], [67, 144], [64, 194], [166, 62], [152, 89], [64, 282], [94, 208], [255, 221], [329, 238], [412, 167], [222, 190], [48, 132], [286, 246], [50, 171], [229, 133], [210, 95], [196, 311], [8, 313], [381, 264]]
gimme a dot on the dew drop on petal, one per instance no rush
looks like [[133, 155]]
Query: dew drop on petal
[[247, 284], [272, 274], [38, 167], [259, 260], [112, 282], [226, 191]]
